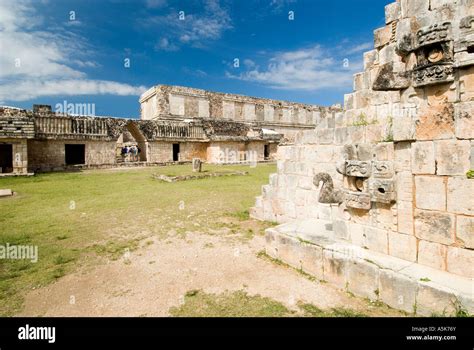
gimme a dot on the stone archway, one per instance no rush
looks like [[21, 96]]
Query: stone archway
[[131, 135]]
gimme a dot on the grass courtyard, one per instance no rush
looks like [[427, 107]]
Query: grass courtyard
[[118, 242], [79, 219]]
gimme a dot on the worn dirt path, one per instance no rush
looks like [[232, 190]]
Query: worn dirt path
[[157, 276]]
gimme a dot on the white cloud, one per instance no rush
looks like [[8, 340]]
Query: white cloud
[[360, 48], [36, 63], [165, 45], [196, 29], [28, 89], [309, 69]]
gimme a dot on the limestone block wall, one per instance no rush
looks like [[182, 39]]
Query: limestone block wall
[[190, 150], [160, 151], [49, 155], [401, 152]]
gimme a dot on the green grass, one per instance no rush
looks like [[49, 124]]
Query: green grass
[[239, 304], [114, 211]]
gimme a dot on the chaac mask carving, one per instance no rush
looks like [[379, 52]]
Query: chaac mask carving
[[430, 54]]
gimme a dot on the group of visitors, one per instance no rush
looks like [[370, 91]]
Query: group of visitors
[[130, 153]]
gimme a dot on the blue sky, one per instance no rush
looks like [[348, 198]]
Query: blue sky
[[53, 51]]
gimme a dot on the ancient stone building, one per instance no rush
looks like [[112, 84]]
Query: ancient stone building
[[177, 124], [379, 199]]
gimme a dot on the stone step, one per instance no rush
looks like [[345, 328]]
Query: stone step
[[310, 245], [6, 193]]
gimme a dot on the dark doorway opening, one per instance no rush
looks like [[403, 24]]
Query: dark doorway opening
[[175, 152], [75, 154], [266, 152], [6, 158]]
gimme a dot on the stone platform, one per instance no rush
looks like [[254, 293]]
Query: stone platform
[[310, 245]]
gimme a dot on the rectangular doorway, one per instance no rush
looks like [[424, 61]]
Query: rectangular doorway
[[75, 154], [266, 152], [6, 158], [175, 152]]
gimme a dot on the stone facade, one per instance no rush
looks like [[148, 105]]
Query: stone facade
[[39, 140], [396, 160], [177, 103]]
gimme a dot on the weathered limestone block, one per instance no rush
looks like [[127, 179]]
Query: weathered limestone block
[[374, 133], [423, 158], [387, 76], [341, 136], [382, 36], [430, 192], [464, 120], [389, 60], [404, 38], [435, 122], [370, 58], [461, 261], [432, 254], [460, 198], [412, 8], [405, 217], [404, 128], [384, 151], [376, 239], [465, 230], [311, 260], [392, 12], [356, 133], [434, 300], [403, 156], [434, 226], [363, 279], [341, 230], [361, 81], [452, 157], [397, 291], [335, 268], [325, 136], [176, 105], [402, 246], [357, 234]]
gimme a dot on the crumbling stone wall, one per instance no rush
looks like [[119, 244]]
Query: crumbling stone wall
[[400, 153]]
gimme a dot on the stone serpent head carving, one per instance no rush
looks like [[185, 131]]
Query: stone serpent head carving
[[327, 194]]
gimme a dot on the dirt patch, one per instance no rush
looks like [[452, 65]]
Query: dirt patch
[[156, 277]]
